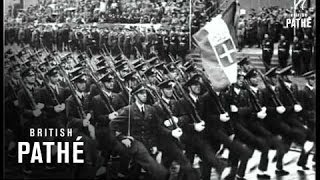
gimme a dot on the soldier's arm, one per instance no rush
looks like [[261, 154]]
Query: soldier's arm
[[179, 110], [161, 118], [73, 114], [119, 125], [22, 99]]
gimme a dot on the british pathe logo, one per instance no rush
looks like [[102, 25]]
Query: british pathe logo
[[299, 19]]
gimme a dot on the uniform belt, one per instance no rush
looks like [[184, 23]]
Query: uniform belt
[[306, 49], [266, 48], [296, 50], [282, 49]]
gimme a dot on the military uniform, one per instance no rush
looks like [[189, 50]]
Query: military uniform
[[75, 118], [143, 122], [267, 52], [297, 57], [283, 52], [306, 54]]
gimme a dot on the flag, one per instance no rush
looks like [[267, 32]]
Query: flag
[[216, 41]]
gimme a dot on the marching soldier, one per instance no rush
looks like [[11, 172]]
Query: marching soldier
[[136, 124], [258, 126], [79, 115], [169, 136], [308, 100], [289, 96], [283, 51], [267, 51], [12, 124], [189, 114], [31, 113]]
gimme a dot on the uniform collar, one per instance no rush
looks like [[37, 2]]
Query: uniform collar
[[140, 106], [166, 99], [288, 84], [237, 90], [193, 97], [80, 94], [107, 93], [254, 89], [310, 87]]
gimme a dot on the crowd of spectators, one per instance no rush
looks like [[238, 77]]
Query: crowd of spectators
[[110, 11]]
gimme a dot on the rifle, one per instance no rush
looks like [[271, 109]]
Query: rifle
[[212, 93], [111, 64], [104, 97], [81, 111], [289, 92], [195, 115], [254, 99], [46, 84], [274, 96]]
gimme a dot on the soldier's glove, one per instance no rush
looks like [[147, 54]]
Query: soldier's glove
[[113, 115], [88, 117], [168, 122], [126, 142], [261, 114], [297, 108], [233, 108], [63, 106], [154, 150], [16, 103], [281, 109], [85, 122], [264, 109], [177, 133], [36, 113], [39, 106], [231, 137], [60, 107], [199, 126], [224, 117]]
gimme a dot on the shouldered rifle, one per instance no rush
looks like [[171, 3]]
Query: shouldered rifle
[[253, 98], [111, 64], [81, 111], [274, 96], [46, 84], [104, 97], [289, 92], [212, 93], [29, 94], [195, 115]]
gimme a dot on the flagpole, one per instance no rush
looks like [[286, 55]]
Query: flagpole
[[190, 24], [294, 16]]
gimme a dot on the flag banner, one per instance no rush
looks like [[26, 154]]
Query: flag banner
[[218, 49]]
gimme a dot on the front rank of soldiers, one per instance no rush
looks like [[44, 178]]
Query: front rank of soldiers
[[156, 117]]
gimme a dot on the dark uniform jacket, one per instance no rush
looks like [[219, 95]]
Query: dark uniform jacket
[[241, 101], [74, 114], [308, 103], [100, 110], [143, 127], [46, 97]]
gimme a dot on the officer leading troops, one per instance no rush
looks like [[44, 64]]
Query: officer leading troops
[[136, 124]]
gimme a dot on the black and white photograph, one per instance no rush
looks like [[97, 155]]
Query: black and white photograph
[[159, 89]]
